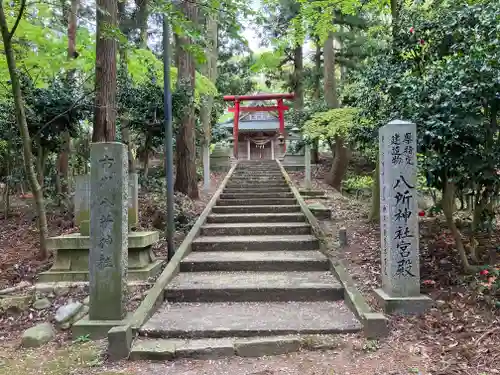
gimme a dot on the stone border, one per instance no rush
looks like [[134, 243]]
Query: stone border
[[120, 338], [375, 325]]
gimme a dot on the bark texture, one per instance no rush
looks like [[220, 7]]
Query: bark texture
[[186, 179], [209, 69], [298, 62], [340, 152], [106, 48]]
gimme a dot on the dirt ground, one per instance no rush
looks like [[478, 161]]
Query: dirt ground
[[460, 336]]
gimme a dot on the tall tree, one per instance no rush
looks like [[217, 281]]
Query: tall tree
[[186, 179], [209, 70], [22, 123], [105, 78], [66, 141]]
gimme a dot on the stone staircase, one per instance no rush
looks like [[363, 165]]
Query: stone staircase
[[255, 282]]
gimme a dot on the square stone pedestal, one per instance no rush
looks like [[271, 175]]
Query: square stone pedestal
[[320, 211], [403, 305], [72, 257], [96, 329]]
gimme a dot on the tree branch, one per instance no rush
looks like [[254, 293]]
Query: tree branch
[[18, 19]]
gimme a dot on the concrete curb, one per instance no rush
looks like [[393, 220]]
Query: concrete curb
[[375, 325], [120, 338]]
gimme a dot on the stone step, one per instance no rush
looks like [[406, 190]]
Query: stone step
[[255, 243], [257, 218], [245, 195], [249, 185], [311, 193], [277, 261], [255, 229], [260, 181], [247, 319], [256, 201], [262, 177], [246, 172], [255, 209], [251, 286], [210, 348], [264, 189]]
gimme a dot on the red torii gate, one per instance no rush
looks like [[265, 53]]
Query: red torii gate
[[280, 107]]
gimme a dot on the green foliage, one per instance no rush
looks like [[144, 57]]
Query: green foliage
[[330, 124], [357, 183]]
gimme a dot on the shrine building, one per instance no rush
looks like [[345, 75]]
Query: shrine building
[[258, 129]]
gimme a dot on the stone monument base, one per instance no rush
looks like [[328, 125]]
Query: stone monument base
[[96, 329], [320, 211], [403, 305], [72, 257]]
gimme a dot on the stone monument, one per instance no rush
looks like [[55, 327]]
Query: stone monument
[[108, 238], [307, 160], [71, 251], [400, 272], [133, 200], [81, 199]]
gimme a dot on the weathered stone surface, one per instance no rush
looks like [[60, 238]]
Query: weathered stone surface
[[84, 311], [256, 201], [250, 319], [253, 243], [81, 199], [86, 300], [38, 335], [257, 218], [252, 268], [42, 303], [256, 209], [320, 211], [254, 286], [255, 229], [108, 230], [400, 271], [133, 200], [262, 346], [15, 303], [66, 312], [120, 342], [61, 291], [255, 260], [398, 209]]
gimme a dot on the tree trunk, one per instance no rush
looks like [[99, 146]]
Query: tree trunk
[[146, 164], [317, 71], [339, 166], [330, 82], [341, 153], [185, 179], [298, 72], [23, 129], [125, 131], [105, 82], [63, 162], [142, 22], [374, 216], [124, 121], [209, 69], [448, 203]]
